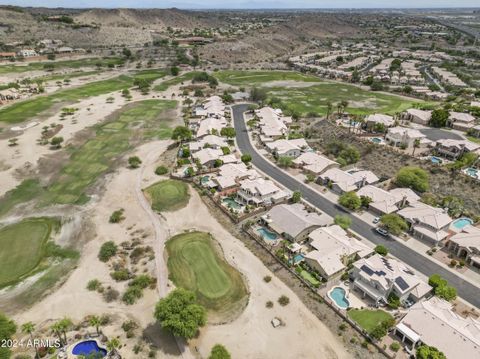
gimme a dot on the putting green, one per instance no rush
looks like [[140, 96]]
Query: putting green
[[195, 262], [168, 195], [23, 247]]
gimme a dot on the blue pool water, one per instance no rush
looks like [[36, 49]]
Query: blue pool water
[[473, 172], [462, 222], [89, 347], [266, 234], [298, 258], [204, 179], [231, 203], [436, 160], [338, 296], [376, 140]]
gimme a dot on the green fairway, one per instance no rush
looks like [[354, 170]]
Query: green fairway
[[195, 263], [139, 121], [23, 247], [175, 81], [168, 195], [259, 78], [360, 102], [28, 109], [71, 64], [313, 95], [369, 319]]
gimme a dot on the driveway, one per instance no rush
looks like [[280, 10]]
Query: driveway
[[435, 134], [400, 250]]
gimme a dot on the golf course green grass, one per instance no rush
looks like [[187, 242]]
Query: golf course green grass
[[369, 319], [28, 109], [23, 247], [67, 64], [315, 93], [168, 195], [139, 121], [196, 263], [164, 85], [258, 78]]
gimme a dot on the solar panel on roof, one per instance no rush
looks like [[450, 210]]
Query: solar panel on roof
[[401, 283], [366, 269]]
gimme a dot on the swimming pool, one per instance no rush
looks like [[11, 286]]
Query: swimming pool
[[436, 160], [204, 179], [89, 348], [462, 222], [266, 234], [297, 259], [472, 172], [337, 294], [376, 140], [231, 203]]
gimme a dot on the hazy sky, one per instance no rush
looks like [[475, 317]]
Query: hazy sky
[[250, 4]]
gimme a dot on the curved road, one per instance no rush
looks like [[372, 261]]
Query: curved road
[[466, 290]]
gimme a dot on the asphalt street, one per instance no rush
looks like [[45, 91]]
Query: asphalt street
[[466, 290]]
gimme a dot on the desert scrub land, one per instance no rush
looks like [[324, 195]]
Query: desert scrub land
[[24, 247], [134, 123], [168, 195], [385, 162], [196, 263], [25, 110]]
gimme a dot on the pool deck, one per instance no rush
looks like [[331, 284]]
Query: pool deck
[[353, 297], [69, 350]]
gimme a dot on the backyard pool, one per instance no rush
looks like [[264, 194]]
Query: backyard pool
[[204, 179], [231, 203], [297, 258], [89, 348], [461, 223], [266, 234], [376, 140], [472, 172], [337, 294], [436, 160]]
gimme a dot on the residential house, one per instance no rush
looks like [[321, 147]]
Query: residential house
[[385, 202], [260, 192], [314, 163], [433, 322], [9, 94], [7, 55], [211, 126], [454, 149], [27, 53], [213, 107], [418, 116], [402, 136], [340, 181], [461, 121], [230, 175], [208, 141], [377, 277], [294, 222], [426, 222], [271, 125], [379, 119], [466, 245], [288, 148], [207, 156], [333, 250]]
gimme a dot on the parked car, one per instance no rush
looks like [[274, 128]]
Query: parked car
[[376, 220], [381, 231]]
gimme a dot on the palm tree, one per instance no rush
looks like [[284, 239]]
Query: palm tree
[[65, 324], [416, 144], [344, 104], [95, 322], [57, 330], [329, 109], [113, 344], [29, 328]]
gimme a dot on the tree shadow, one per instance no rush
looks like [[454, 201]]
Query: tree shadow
[[161, 339]]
